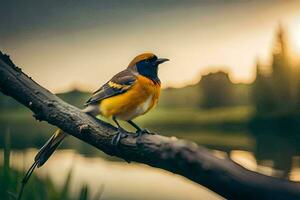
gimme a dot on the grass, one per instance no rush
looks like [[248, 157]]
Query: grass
[[37, 188], [217, 140], [162, 115], [206, 127], [193, 118]]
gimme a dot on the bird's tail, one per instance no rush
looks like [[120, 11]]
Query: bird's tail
[[43, 155], [49, 147]]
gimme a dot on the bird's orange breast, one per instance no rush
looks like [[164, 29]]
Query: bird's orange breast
[[138, 100]]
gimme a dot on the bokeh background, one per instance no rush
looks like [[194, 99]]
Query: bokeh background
[[232, 85]]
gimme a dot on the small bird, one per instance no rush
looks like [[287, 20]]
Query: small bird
[[129, 94]]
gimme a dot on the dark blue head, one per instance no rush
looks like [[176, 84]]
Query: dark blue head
[[147, 65]]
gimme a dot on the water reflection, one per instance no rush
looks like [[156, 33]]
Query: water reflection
[[120, 179], [273, 153], [268, 152], [278, 150], [135, 181]]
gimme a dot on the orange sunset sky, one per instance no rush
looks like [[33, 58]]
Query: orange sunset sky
[[67, 44]]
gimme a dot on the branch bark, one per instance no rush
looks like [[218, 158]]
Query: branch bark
[[194, 162]]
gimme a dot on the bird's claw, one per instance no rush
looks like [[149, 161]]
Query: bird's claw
[[143, 132], [121, 134]]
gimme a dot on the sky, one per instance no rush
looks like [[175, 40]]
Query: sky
[[66, 44]]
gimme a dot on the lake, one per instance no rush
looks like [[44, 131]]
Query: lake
[[271, 152]]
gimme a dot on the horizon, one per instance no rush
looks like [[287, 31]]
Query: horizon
[[71, 44]]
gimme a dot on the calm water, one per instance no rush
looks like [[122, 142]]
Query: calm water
[[274, 153], [120, 180]]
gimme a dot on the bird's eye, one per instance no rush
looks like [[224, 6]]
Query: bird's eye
[[147, 61]]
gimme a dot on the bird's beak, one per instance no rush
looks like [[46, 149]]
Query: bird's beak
[[161, 60]]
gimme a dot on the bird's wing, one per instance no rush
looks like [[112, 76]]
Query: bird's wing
[[119, 84]]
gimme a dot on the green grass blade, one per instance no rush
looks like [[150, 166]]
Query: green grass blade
[[84, 193], [65, 192]]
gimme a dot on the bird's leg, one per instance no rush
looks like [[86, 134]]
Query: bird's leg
[[139, 131], [120, 134]]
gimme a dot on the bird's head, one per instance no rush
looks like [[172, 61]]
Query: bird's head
[[146, 64]]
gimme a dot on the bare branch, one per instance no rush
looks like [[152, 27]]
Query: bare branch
[[194, 162]]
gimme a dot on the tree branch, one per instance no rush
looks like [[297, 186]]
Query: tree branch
[[194, 162]]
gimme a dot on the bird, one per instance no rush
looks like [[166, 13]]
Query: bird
[[128, 94]]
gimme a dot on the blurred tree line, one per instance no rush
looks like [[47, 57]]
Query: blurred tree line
[[218, 91], [278, 91], [273, 92], [74, 97]]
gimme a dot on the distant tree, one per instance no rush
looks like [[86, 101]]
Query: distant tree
[[275, 92], [281, 75], [262, 93], [217, 90]]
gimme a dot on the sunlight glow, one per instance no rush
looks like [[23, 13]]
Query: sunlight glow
[[294, 33]]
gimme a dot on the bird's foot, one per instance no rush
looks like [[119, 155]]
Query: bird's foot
[[143, 132], [121, 134]]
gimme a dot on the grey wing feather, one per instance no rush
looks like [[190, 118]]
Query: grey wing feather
[[119, 84]]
